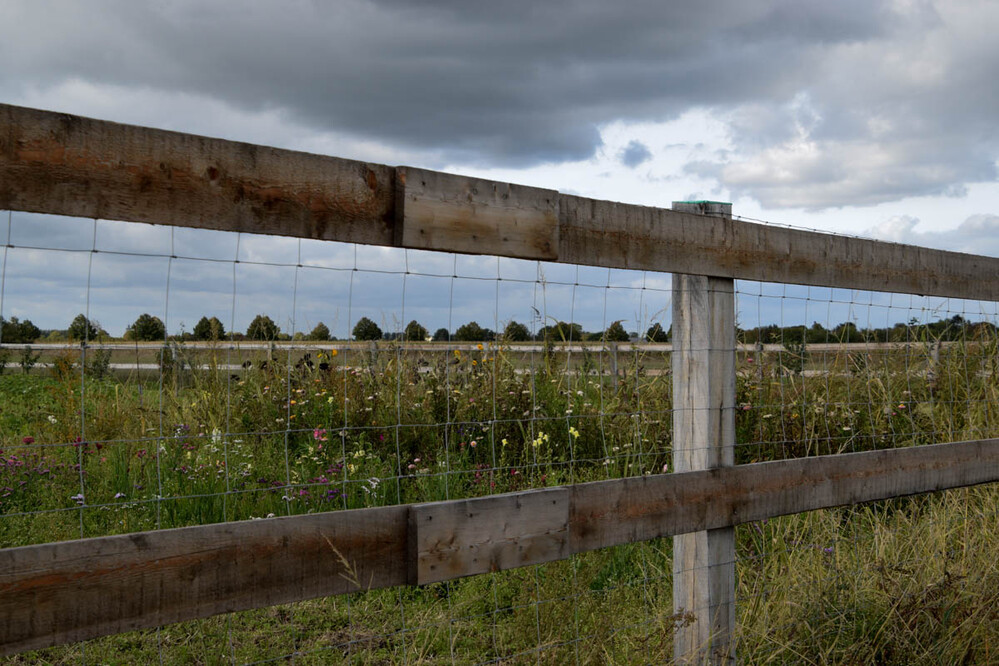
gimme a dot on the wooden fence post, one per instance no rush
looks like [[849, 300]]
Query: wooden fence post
[[703, 363]]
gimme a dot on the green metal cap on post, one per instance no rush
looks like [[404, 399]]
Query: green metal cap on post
[[704, 207]]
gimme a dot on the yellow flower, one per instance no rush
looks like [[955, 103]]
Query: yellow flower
[[474, 362], [457, 353], [573, 432], [351, 468], [333, 352], [479, 346], [504, 442]]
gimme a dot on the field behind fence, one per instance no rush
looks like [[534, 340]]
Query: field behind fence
[[759, 486]]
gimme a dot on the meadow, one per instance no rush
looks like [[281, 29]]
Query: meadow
[[85, 451]]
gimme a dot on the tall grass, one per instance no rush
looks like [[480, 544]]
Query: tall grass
[[898, 582]]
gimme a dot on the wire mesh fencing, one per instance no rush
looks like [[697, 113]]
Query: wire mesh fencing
[[184, 377]]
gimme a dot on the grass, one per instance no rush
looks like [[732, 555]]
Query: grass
[[899, 582]]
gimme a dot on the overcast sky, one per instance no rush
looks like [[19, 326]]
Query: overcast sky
[[858, 116]]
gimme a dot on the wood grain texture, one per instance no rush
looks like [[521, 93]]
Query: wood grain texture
[[609, 513], [703, 362], [475, 216], [617, 235], [68, 165], [75, 590], [466, 537], [135, 581]]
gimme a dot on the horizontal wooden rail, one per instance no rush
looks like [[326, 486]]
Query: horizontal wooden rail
[[67, 165], [134, 581]]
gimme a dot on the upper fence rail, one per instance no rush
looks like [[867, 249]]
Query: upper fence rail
[[69, 165]]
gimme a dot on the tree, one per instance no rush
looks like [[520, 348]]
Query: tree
[[516, 332], [208, 329], [365, 329], [146, 327], [616, 333], [441, 335], [470, 332], [320, 333], [414, 331], [656, 333], [18, 331], [83, 329], [561, 332], [262, 328]]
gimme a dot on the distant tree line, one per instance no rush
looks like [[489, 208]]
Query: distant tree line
[[150, 328]]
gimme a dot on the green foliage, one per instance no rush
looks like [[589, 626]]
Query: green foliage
[[414, 332], [441, 335], [146, 328], [209, 329], [262, 328], [321, 333], [16, 330], [656, 333], [561, 332], [28, 359], [516, 332], [366, 329], [616, 333], [472, 332], [83, 329]]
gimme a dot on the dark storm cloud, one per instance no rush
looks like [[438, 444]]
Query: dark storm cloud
[[635, 153], [808, 90]]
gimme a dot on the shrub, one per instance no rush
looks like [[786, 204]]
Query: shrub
[[365, 329]]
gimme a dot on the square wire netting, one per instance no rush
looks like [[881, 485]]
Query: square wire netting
[[158, 377], [901, 581]]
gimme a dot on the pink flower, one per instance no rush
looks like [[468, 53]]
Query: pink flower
[[319, 434], [28, 440]]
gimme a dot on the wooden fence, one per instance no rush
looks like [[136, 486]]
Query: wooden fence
[[67, 165]]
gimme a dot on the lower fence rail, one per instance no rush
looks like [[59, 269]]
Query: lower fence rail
[[148, 579]]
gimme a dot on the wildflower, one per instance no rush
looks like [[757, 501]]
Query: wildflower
[[334, 352], [78, 498], [416, 460], [504, 442], [473, 443], [28, 440], [665, 468], [351, 468], [573, 431], [319, 434], [457, 353], [119, 495], [479, 346], [53, 420]]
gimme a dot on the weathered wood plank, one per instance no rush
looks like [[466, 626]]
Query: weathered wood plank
[[617, 235], [68, 165], [465, 537], [703, 362], [134, 581], [76, 590], [610, 513], [461, 214]]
